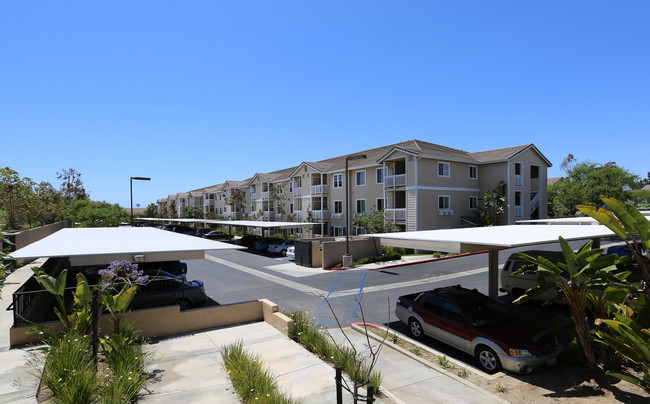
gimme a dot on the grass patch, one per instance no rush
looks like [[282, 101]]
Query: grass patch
[[253, 382], [308, 335]]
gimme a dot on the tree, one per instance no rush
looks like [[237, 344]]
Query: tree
[[236, 200], [86, 213], [374, 222], [16, 197], [51, 206], [192, 212], [494, 202], [151, 210], [585, 182], [71, 185]]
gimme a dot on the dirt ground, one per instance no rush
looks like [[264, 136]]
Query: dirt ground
[[568, 382]]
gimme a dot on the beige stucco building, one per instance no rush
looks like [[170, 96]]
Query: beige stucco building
[[419, 185]]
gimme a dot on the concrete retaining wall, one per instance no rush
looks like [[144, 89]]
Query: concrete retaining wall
[[360, 247], [169, 320]]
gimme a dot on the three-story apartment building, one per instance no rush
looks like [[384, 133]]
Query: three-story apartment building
[[419, 186]]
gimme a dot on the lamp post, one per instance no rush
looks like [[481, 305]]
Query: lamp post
[[347, 258], [139, 179]]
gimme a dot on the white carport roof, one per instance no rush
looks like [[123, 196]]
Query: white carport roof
[[491, 239], [102, 245], [245, 223]]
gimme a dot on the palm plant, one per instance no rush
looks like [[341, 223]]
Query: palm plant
[[575, 280]]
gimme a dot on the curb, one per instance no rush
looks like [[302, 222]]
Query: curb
[[357, 327]]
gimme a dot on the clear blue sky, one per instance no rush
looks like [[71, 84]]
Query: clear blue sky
[[192, 93]]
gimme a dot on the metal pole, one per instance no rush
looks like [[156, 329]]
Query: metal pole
[[95, 324], [131, 181], [339, 389], [347, 208]]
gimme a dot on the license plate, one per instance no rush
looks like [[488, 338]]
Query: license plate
[[551, 362]]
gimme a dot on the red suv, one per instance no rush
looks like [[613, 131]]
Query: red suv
[[480, 326]]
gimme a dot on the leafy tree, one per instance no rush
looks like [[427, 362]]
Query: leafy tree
[[585, 182], [151, 210], [71, 185], [172, 210], [51, 206], [192, 212], [494, 202], [237, 200], [16, 197], [374, 222], [86, 213]]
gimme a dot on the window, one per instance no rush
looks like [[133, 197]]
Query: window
[[381, 204], [473, 172], [473, 202], [443, 169], [360, 178], [380, 175], [291, 208], [444, 202], [358, 231], [517, 168], [290, 186], [338, 231], [338, 207], [338, 181], [361, 205]]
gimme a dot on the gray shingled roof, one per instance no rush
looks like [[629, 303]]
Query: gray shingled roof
[[498, 154]]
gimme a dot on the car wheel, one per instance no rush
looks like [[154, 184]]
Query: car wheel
[[185, 304], [283, 253], [415, 328], [488, 359]]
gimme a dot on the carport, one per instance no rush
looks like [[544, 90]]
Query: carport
[[492, 240], [102, 245], [243, 223]]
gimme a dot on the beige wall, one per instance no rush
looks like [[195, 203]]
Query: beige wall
[[360, 247], [169, 320]]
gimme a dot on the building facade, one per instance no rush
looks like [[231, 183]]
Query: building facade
[[419, 186]]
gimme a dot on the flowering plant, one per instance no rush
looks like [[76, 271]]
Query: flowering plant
[[118, 285]]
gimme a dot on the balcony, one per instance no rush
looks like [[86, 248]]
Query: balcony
[[253, 196], [319, 189], [519, 180], [519, 211], [297, 191], [319, 214], [298, 214], [265, 194], [395, 215], [392, 181]]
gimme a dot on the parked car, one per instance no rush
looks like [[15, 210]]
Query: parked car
[[281, 248], [263, 245], [217, 235], [202, 231], [184, 230], [516, 285], [479, 326], [249, 240], [291, 253], [167, 289], [168, 227], [176, 268]]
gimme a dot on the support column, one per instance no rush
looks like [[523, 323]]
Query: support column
[[493, 274]]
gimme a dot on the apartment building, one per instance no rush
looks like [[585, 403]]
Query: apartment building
[[419, 185]]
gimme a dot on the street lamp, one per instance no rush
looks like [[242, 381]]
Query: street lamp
[[347, 258], [139, 179]]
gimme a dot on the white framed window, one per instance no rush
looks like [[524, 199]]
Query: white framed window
[[361, 205], [444, 202], [338, 231], [443, 169], [519, 209], [473, 202], [473, 172], [337, 181], [358, 231], [252, 208], [338, 207], [360, 178], [290, 186], [380, 175], [381, 204]]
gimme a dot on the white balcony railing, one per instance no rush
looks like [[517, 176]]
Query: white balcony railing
[[253, 196], [319, 214], [298, 214], [519, 211], [318, 189], [519, 180], [265, 194], [392, 181], [395, 215], [297, 191]]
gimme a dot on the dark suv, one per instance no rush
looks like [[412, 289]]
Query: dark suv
[[166, 289]]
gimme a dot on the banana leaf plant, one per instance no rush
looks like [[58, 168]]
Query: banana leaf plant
[[631, 341], [627, 223], [583, 273], [56, 286]]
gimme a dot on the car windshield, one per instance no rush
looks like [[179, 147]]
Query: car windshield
[[487, 312]]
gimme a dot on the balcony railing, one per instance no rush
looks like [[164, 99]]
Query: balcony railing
[[392, 181], [298, 214], [265, 194], [319, 189], [395, 215], [297, 191], [319, 214], [519, 180], [519, 211], [253, 195]]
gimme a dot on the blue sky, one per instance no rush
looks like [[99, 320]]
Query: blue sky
[[194, 93]]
